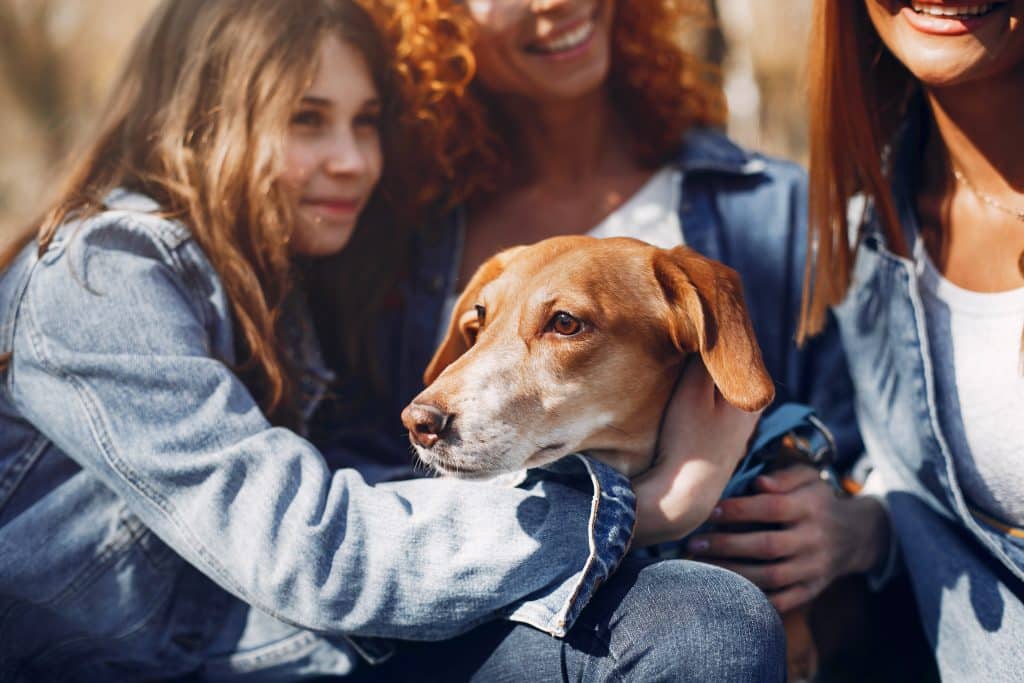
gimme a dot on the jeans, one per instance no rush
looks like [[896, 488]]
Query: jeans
[[669, 620]]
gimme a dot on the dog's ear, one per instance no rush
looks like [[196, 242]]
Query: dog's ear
[[708, 315], [465, 321]]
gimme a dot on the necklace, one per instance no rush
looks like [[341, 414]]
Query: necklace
[[991, 201], [1019, 215]]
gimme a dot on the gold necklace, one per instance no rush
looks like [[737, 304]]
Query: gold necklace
[[986, 198]]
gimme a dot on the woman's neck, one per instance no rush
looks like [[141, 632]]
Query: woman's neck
[[566, 143], [972, 184], [979, 125]]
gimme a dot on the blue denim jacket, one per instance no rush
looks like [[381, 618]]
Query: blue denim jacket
[[153, 524], [744, 209], [968, 577]]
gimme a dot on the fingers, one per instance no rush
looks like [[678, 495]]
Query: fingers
[[764, 508], [788, 479], [795, 596], [755, 545]]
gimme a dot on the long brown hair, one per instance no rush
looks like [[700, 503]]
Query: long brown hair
[[857, 96], [660, 88], [198, 122]]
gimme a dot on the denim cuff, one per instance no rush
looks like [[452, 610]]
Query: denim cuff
[[610, 530]]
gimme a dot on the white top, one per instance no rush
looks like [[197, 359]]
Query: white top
[[651, 214], [976, 344]]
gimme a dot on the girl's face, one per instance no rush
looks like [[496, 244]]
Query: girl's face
[[332, 153], [543, 49], [952, 42]]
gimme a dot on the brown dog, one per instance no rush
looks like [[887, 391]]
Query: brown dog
[[574, 344]]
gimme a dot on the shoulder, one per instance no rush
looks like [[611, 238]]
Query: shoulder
[[747, 189], [129, 223], [126, 264]]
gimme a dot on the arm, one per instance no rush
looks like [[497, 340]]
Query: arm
[[144, 407]]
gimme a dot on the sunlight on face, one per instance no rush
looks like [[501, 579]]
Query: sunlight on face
[[333, 154]]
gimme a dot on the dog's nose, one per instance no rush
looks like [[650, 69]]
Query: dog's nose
[[426, 423]]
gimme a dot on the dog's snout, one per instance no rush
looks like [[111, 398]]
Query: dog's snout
[[426, 423]]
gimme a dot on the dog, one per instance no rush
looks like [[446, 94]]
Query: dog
[[574, 344]]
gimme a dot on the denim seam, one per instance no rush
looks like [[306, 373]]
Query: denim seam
[[594, 575], [259, 658]]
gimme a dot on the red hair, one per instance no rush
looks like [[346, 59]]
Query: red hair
[[660, 88], [857, 96]]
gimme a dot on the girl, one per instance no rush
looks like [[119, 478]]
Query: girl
[[161, 515]]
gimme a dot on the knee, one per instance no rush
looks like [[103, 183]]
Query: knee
[[697, 622]]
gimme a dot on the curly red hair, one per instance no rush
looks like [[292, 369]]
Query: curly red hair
[[660, 88]]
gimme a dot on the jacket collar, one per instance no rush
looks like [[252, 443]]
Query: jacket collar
[[710, 151]]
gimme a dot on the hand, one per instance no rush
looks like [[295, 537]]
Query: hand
[[702, 439], [821, 536]]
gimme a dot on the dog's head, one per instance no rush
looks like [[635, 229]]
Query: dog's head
[[574, 344]]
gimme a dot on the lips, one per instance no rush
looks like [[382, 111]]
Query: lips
[[948, 18], [333, 206]]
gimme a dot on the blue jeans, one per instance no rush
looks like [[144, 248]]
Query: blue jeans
[[669, 620]]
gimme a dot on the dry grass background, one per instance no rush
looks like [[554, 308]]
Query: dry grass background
[[58, 58]]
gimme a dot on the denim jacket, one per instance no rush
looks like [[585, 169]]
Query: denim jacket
[[744, 209], [968, 577], [153, 524]]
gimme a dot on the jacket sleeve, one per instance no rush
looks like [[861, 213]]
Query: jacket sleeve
[[112, 363]]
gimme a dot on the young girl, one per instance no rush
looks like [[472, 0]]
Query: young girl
[[161, 514]]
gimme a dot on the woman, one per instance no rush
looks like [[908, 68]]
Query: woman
[[161, 370], [587, 116], [916, 201]]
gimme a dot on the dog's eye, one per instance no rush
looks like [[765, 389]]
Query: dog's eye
[[564, 324]]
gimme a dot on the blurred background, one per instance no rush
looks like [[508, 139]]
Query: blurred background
[[59, 57]]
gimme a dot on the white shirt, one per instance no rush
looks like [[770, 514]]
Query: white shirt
[[975, 340]]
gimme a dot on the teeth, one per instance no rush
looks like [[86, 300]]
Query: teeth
[[567, 41], [942, 11]]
